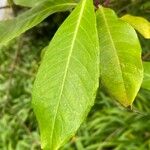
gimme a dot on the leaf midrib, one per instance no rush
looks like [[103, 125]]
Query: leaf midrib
[[114, 48], [67, 66]]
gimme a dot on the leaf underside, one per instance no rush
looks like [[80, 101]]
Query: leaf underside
[[67, 80], [120, 57]]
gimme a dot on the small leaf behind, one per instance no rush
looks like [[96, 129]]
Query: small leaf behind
[[139, 23], [32, 3], [27, 3], [12, 28]]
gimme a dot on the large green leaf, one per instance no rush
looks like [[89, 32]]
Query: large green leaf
[[67, 80], [146, 81], [120, 53], [32, 3], [13, 28], [139, 23]]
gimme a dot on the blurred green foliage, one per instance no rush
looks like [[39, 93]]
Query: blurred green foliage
[[109, 126], [17, 124]]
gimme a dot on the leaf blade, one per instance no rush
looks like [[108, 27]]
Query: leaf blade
[[74, 77], [139, 23], [12, 28], [29, 3], [120, 57]]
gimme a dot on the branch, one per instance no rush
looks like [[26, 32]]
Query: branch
[[106, 3], [4, 7], [96, 3], [146, 56]]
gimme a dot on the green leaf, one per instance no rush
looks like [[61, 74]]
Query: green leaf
[[120, 57], [12, 28], [145, 6], [139, 23], [27, 3], [146, 80], [67, 80], [32, 3]]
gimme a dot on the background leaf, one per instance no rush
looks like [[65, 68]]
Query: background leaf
[[146, 80], [120, 57], [67, 80], [27, 3], [139, 23], [12, 28], [32, 3]]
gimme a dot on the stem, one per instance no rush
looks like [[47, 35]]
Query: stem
[[96, 3], [4, 7], [146, 56], [14, 9], [106, 3]]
